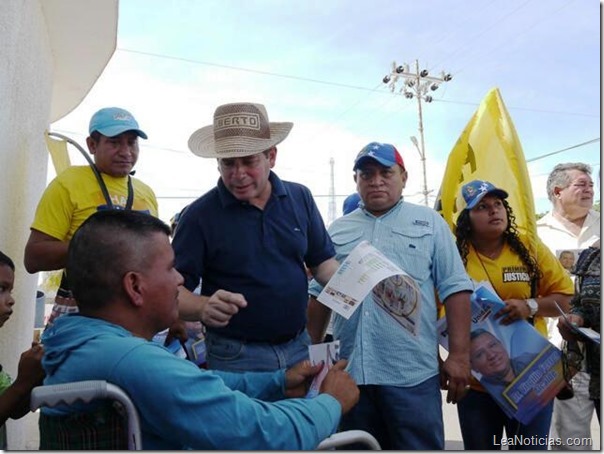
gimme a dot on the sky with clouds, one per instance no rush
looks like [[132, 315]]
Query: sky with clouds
[[320, 65]]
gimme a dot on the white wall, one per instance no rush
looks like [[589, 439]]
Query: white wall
[[51, 54], [25, 94]]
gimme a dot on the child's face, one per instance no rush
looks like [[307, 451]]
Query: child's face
[[7, 280]]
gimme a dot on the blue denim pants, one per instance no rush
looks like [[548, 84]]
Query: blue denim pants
[[482, 422], [224, 353], [400, 418]]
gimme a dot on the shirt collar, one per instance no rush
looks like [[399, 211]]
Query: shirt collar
[[394, 208]]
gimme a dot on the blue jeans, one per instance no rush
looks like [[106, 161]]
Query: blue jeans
[[224, 353], [399, 418], [482, 422]]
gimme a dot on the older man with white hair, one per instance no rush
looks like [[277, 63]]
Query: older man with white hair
[[571, 224]]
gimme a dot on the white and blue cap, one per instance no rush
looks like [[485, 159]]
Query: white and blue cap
[[474, 191], [383, 153], [112, 121]]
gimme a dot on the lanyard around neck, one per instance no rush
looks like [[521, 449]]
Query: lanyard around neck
[[99, 179]]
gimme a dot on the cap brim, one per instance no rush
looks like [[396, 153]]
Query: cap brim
[[497, 192], [202, 143], [381, 161], [117, 130]]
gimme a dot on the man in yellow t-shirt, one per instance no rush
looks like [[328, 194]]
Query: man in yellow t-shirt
[[80, 191]]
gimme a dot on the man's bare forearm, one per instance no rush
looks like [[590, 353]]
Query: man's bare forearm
[[318, 319], [459, 320], [189, 305]]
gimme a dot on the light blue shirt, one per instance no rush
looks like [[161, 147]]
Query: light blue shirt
[[181, 406], [379, 350]]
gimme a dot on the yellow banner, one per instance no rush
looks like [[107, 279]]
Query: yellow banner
[[489, 149], [58, 153]]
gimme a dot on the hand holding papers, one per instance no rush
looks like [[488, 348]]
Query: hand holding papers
[[327, 353], [366, 270], [584, 334]]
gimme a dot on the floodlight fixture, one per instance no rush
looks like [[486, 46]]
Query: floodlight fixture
[[417, 84]]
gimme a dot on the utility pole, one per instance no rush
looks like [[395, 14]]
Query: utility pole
[[331, 212], [416, 84]]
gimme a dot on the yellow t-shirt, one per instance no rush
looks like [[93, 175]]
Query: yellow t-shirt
[[75, 194], [510, 279]]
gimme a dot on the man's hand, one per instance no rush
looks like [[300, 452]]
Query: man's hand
[[341, 386], [178, 330], [299, 377], [566, 330], [217, 311], [455, 377]]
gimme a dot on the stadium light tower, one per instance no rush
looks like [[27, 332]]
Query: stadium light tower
[[416, 84]]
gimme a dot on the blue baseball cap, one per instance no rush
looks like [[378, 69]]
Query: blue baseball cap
[[475, 190], [351, 203], [112, 121], [384, 153]]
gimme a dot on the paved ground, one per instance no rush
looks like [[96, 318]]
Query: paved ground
[[453, 441]]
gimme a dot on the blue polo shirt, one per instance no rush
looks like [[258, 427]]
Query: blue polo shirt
[[235, 246]]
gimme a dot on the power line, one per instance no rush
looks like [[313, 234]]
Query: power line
[[325, 82], [484, 51], [527, 109], [141, 145], [487, 29], [591, 164], [564, 149], [249, 70]]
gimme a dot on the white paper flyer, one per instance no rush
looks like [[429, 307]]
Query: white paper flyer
[[583, 333], [366, 270], [327, 353]]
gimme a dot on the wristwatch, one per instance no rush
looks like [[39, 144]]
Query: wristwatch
[[532, 305]]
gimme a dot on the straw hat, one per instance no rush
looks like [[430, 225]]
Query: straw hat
[[239, 129]]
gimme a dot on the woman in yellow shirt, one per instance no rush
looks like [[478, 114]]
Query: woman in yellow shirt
[[529, 278]]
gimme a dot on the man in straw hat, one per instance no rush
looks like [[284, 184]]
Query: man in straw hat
[[248, 240]]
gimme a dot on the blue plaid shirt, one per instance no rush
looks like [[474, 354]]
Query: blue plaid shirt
[[379, 350]]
